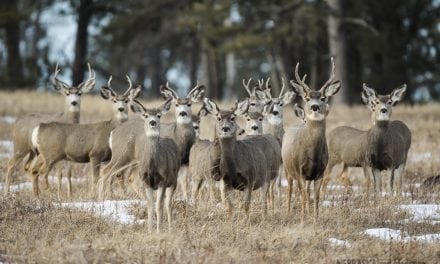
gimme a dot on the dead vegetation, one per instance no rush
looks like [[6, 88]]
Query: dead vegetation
[[44, 231]]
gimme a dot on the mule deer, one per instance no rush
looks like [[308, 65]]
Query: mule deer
[[240, 164], [256, 104], [81, 143], [384, 146], [22, 131], [304, 148], [157, 158], [268, 145]]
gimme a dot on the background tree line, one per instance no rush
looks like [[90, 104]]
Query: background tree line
[[382, 43]]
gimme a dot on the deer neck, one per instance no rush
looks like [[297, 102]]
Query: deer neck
[[71, 116], [227, 161], [316, 127], [151, 148]]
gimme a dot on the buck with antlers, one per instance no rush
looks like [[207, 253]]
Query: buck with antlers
[[384, 146], [239, 164], [22, 132], [304, 148], [81, 143]]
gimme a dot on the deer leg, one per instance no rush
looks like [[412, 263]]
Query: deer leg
[[195, 188], [247, 199], [346, 180], [28, 163], [69, 181], [327, 175], [377, 181], [316, 192], [59, 170], [95, 165], [271, 196], [45, 168], [150, 206], [12, 164], [289, 189], [225, 193], [391, 181], [168, 204], [303, 190], [183, 181], [367, 180], [159, 206], [399, 178], [308, 204], [280, 183]]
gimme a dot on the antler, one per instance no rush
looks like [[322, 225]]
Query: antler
[[91, 80], [332, 74], [56, 81], [246, 86], [109, 84], [299, 80], [283, 87], [130, 85]]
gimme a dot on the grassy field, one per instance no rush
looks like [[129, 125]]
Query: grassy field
[[350, 228]]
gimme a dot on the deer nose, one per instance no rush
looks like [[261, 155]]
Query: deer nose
[[275, 112], [121, 109], [74, 103], [315, 107], [225, 129], [383, 110], [183, 113], [152, 123], [254, 127]]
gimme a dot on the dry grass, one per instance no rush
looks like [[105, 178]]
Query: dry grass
[[43, 232]]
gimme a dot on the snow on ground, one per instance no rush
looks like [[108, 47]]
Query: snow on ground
[[7, 149], [389, 234], [117, 211], [418, 157], [422, 212], [8, 119], [338, 242], [17, 187]]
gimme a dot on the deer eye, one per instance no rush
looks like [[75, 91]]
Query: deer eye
[[158, 115], [307, 99], [177, 104], [189, 105], [389, 102], [281, 104], [146, 115], [248, 119], [79, 94], [260, 119], [126, 101], [252, 104], [232, 118], [114, 100], [219, 118], [322, 99]]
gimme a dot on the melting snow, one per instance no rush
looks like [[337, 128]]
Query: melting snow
[[8, 119], [338, 242], [389, 234], [417, 157], [17, 187], [8, 148], [117, 211], [423, 212]]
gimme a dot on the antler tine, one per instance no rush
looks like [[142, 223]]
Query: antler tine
[[193, 89], [267, 83], [109, 81], [298, 79], [130, 85], [175, 95], [332, 74], [246, 86], [260, 83], [282, 87], [55, 79]]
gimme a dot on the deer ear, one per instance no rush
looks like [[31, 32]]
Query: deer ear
[[137, 107], [397, 94], [197, 93], [332, 89], [369, 92], [166, 106], [106, 93], [242, 107], [298, 88], [288, 97], [210, 107], [368, 96], [134, 93], [299, 112]]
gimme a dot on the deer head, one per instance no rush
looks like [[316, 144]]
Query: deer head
[[151, 117], [316, 102], [183, 104], [381, 106], [120, 101], [73, 93], [256, 103]]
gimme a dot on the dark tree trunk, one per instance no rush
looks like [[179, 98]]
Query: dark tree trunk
[[194, 61], [14, 69], [156, 72], [84, 17]]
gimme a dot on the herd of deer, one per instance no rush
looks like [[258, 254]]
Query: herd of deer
[[151, 155]]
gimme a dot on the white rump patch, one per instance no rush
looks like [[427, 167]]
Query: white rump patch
[[35, 132]]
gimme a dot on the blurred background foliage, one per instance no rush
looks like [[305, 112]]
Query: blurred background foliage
[[218, 43]]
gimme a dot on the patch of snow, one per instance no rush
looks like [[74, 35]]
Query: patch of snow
[[417, 157], [8, 119], [117, 211], [54, 179], [17, 187], [389, 234], [422, 212], [338, 242]]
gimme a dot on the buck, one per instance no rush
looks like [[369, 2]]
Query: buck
[[22, 131], [304, 148], [181, 131], [384, 146], [256, 104], [239, 164], [156, 158], [81, 143], [268, 145]]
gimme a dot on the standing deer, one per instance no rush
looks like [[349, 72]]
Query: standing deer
[[22, 132], [384, 146], [182, 131], [157, 160], [240, 164], [81, 143], [304, 148]]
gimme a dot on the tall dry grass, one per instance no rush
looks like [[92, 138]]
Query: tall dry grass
[[40, 231]]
